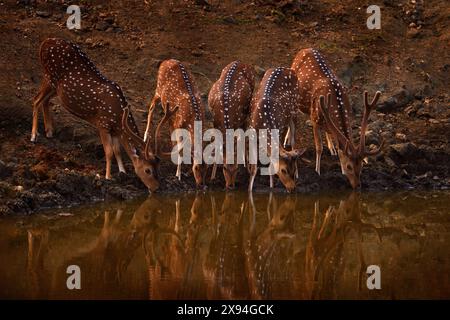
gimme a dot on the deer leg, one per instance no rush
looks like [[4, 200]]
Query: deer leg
[[48, 118], [341, 161], [109, 152], [330, 144], [252, 168], [271, 181], [151, 108], [318, 145], [45, 93], [292, 130], [118, 154], [214, 170], [178, 174], [287, 138]]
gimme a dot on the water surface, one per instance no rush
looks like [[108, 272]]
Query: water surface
[[232, 246]]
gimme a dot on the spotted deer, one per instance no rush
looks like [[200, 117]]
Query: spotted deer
[[266, 249], [71, 76], [335, 116], [272, 107], [176, 253], [229, 100], [176, 87]]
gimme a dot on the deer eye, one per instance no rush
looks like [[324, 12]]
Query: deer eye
[[349, 167], [283, 171], [148, 171]]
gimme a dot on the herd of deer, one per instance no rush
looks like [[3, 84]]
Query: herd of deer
[[308, 87]]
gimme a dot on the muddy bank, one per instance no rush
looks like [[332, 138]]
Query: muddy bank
[[29, 184]]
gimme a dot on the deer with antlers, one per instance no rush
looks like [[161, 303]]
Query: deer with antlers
[[272, 107], [86, 93], [229, 100], [334, 114], [176, 87]]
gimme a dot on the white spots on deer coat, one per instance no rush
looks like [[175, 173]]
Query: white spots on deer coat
[[175, 87], [276, 101], [230, 96], [316, 78], [83, 90]]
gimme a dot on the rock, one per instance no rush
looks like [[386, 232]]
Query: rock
[[196, 53], [40, 171], [372, 137], [376, 126], [427, 152], [403, 150], [5, 170], [414, 108], [397, 101], [102, 25], [43, 13], [18, 188], [413, 33], [353, 70], [229, 20], [389, 162], [433, 121], [400, 136]]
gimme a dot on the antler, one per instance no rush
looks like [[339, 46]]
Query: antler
[[133, 136], [138, 141], [367, 109], [167, 115], [330, 124]]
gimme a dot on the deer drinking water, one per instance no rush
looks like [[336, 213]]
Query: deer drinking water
[[86, 93], [272, 107], [317, 82], [229, 100], [175, 87]]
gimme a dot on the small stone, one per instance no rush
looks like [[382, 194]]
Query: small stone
[[412, 33], [101, 26], [65, 214], [43, 14], [229, 20], [400, 136]]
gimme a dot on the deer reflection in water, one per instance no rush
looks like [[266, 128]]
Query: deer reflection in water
[[215, 246]]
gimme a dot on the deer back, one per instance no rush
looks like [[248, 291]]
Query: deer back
[[276, 100], [177, 88], [316, 78], [82, 89], [230, 96]]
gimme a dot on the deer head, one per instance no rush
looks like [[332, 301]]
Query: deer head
[[351, 156], [287, 167], [145, 162], [230, 172]]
